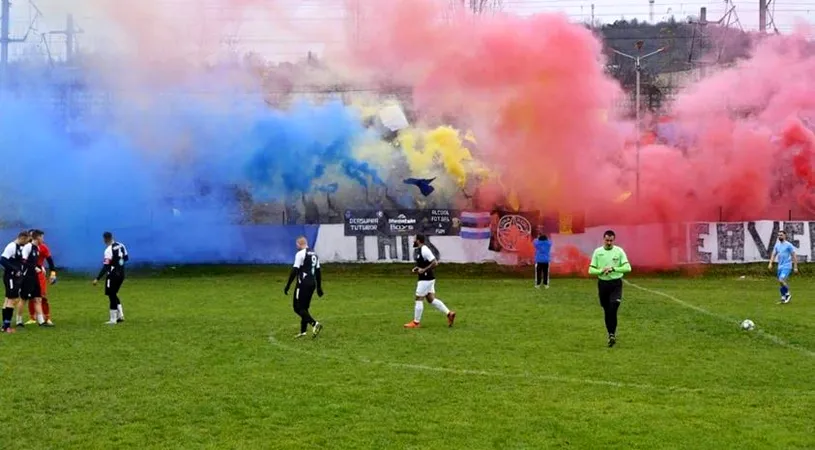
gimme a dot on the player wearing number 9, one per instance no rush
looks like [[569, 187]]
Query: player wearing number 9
[[306, 270]]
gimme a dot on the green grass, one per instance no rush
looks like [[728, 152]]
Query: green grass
[[207, 359]]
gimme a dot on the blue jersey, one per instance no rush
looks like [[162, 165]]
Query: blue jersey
[[542, 250], [784, 251]]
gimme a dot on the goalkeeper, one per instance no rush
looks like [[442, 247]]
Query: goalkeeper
[[45, 256]]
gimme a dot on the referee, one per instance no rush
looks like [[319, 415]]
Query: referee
[[609, 263]]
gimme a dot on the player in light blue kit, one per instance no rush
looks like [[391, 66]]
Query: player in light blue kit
[[784, 251]]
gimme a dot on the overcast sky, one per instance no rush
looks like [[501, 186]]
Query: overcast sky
[[257, 35]]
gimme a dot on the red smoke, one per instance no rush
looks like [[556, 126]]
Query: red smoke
[[800, 141], [532, 89], [570, 260], [748, 127], [534, 92]]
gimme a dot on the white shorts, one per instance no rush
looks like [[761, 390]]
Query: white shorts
[[424, 287]]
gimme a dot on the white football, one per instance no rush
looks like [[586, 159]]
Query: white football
[[747, 325]]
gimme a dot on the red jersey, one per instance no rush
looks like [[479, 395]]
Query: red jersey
[[45, 253]]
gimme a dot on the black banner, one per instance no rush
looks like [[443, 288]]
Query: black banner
[[404, 222], [441, 222], [508, 229], [363, 223]]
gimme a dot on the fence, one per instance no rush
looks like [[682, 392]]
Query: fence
[[81, 247]]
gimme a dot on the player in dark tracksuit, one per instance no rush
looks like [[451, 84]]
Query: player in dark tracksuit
[[114, 271], [306, 270]]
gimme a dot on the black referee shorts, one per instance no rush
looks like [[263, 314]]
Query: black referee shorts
[[113, 283], [30, 287], [302, 296], [12, 285], [610, 291]]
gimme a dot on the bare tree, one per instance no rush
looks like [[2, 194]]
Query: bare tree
[[480, 6]]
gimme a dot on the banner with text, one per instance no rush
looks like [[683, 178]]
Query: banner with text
[[403, 222], [746, 242], [689, 243]]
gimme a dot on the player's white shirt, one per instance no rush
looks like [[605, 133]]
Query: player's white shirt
[[424, 287], [300, 258], [10, 250], [428, 254], [27, 250]]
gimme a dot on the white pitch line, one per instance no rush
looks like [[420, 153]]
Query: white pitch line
[[483, 373], [551, 378], [526, 376], [764, 334]]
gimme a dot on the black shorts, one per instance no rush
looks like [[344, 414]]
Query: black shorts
[[610, 291], [113, 283], [12, 285], [302, 296], [30, 287]]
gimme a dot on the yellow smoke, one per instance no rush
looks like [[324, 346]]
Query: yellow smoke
[[443, 146]]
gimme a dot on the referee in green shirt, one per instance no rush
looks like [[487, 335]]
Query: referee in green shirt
[[609, 263]]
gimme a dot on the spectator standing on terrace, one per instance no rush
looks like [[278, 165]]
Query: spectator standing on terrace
[[543, 250]]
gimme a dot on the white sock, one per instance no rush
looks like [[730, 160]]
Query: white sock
[[417, 311], [113, 314], [40, 318], [121, 311], [19, 318], [440, 306]]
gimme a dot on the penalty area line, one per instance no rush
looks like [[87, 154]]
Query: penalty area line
[[770, 337]]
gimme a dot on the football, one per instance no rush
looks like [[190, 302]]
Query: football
[[747, 325]]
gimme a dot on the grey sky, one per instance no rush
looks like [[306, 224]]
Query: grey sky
[[280, 45]]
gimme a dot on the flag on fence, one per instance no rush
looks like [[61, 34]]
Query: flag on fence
[[579, 222], [513, 231], [423, 184], [572, 223], [475, 225], [549, 224]]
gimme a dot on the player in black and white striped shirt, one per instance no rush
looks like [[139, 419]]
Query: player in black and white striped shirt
[[306, 270], [115, 258], [426, 286], [12, 262]]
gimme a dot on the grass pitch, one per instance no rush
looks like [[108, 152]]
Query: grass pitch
[[208, 360]]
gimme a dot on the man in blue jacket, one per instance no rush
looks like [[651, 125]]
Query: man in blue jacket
[[543, 248]]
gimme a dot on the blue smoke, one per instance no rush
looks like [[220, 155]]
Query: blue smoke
[[166, 175]]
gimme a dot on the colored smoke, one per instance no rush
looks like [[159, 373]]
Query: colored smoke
[[532, 89], [187, 139], [534, 92], [168, 167]]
